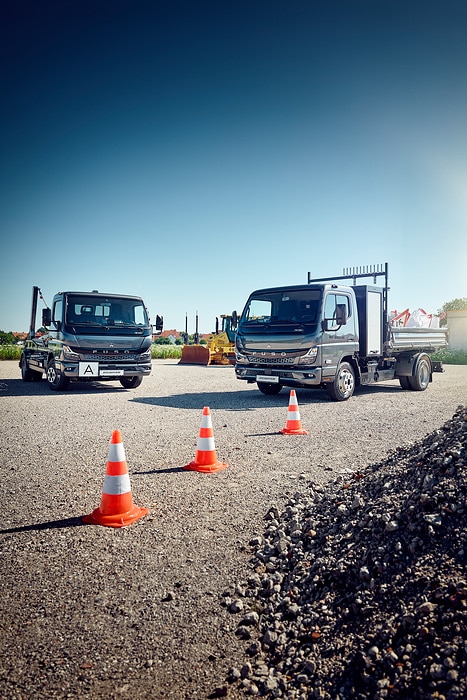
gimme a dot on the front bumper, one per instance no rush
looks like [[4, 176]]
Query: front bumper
[[102, 371], [306, 377]]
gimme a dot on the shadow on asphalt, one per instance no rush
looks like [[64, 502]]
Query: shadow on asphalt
[[250, 400], [51, 525], [170, 470], [233, 400], [16, 387]]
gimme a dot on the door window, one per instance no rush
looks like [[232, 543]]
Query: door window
[[337, 311]]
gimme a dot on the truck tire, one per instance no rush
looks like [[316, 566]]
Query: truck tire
[[404, 382], [343, 385], [269, 389], [421, 378], [55, 379], [131, 382], [27, 375]]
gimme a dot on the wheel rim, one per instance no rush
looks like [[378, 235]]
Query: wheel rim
[[52, 374], [424, 374], [346, 383]]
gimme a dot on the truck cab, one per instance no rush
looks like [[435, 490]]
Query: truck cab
[[295, 336], [90, 336]]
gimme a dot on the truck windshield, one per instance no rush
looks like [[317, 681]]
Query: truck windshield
[[118, 315], [283, 307]]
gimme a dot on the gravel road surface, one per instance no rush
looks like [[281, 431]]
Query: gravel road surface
[[92, 612]]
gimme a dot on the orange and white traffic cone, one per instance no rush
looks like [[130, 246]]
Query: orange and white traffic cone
[[293, 425], [206, 457], [116, 508]]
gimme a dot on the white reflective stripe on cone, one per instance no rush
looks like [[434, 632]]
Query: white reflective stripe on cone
[[116, 452], [293, 415], [205, 444], [116, 485]]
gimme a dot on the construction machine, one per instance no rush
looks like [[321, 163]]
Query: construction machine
[[221, 344], [220, 347]]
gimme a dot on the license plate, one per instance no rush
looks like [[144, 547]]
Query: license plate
[[265, 378], [111, 373], [88, 369]]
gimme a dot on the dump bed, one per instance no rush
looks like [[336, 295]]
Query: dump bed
[[377, 336], [420, 339]]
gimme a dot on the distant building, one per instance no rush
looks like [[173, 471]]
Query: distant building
[[457, 324]]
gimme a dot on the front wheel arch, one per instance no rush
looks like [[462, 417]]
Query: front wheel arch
[[343, 385]]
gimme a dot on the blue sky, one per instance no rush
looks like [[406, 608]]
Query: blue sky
[[190, 152]]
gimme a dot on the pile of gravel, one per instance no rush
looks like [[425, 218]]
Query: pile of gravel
[[359, 590]]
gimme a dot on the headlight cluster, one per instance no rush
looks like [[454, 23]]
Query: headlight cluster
[[309, 357], [69, 354], [239, 351]]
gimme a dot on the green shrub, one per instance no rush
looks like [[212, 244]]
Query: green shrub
[[166, 352], [10, 352], [451, 357]]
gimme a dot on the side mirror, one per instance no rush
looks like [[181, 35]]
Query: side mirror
[[159, 325], [234, 320], [341, 314], [46, 317], [338, 320]]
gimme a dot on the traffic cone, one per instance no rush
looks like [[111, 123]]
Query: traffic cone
[[206, 457], [116, 508], [294, 424]]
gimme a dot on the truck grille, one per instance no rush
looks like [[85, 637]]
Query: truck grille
[[100, 357], [271, 360]]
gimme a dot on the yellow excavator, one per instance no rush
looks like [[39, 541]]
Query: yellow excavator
[[220, 347]]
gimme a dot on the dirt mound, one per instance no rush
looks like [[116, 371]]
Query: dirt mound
[[359, 590]]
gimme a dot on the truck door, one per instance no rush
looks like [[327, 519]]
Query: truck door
[[339, 331]]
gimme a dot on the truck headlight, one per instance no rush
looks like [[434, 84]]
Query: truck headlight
[[146, 355], [69, 354], [309, 357], [239, 351]]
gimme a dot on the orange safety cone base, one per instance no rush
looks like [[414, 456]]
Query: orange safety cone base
[[206, 468], [119, 520], [206, 457], [292, 431]]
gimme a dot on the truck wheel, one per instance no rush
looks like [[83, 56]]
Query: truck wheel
[[404, 382], [269, 389], [27, 375], [421, 378], [55, 379], [343, 385], [131, 382]]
